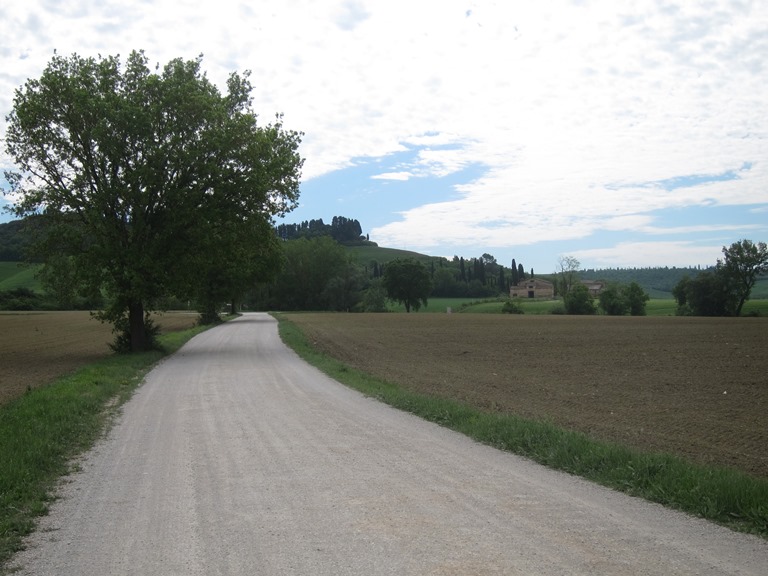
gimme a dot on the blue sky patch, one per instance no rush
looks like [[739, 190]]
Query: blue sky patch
[[688, 181], [357, 192]]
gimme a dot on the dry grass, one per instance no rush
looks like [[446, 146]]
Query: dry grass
[[38, 347], [694, 387]]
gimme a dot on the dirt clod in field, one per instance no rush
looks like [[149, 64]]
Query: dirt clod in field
[[695, 387]]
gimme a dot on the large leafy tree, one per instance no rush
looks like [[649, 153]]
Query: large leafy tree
[[133, 173], [723, 290], [742, 263], [407, 281], [618, 300], [637, 298], [579, 300], [707, 294]]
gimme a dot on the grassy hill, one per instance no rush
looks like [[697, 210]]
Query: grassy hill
[[16, 275], [366, 254]]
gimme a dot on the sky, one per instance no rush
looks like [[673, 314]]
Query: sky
[[622, 133]]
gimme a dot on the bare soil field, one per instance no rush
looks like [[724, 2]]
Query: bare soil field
[[38, 347], [694, 387]]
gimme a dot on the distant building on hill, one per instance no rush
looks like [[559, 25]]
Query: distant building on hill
[[532, 288]]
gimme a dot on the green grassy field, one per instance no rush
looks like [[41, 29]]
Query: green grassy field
[[654, 307], [15, 275]]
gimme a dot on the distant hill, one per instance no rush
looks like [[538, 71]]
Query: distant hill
[[16, 275], [658, 282], [364, 255]]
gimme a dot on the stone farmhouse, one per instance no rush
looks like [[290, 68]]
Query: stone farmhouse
[[532, 288], [537, 288]]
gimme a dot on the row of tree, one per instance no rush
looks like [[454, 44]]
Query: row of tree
[[343, 230]]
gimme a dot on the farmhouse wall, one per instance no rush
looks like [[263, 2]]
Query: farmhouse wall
[[594, 287], [532, 288]]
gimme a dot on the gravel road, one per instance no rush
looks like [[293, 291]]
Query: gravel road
[[237, 458]]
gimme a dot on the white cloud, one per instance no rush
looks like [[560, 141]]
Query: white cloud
[[403, 176], [351, 15], [649, 254], [560, 101]]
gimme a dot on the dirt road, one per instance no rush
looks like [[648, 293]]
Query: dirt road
[[236, 458]]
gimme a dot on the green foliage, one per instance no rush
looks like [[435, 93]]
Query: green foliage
[[637, 299], [616, 300], [407, 281], [375, 298], [123, 338], [723, 290], [743, 262], [20, 299], [317, 274], [344, 230], [13, 241], [579, 301], [512, 307], [612, 301], [706, 295], [144, 182], [237, 256]]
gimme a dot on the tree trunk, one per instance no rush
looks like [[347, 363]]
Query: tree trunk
[[136, 326], [740, 306]]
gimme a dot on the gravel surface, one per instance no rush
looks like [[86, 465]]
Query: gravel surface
[[235, 457]]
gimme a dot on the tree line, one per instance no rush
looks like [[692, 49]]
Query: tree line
[[343, 230], [319, 273]]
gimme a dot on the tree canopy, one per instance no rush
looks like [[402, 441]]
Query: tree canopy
[[723, 290], [318, 275], [407, 281], [618, 300], [147, 181], [742, 263]]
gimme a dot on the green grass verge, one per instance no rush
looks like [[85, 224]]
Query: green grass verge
[[44, 430], [726, 496]]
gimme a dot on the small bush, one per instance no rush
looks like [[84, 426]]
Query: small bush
[[512, 307], [122, 343], [559, 309]]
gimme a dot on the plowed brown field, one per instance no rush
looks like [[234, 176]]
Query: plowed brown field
[[695, 387], [38, 347]]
